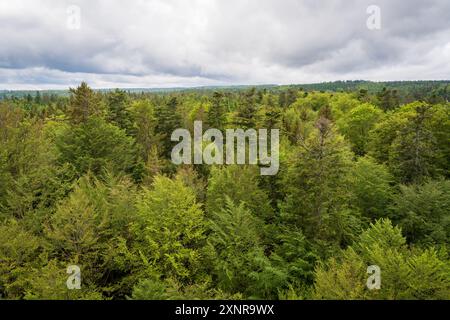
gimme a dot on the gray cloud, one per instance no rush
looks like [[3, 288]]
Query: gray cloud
[[162, 43]]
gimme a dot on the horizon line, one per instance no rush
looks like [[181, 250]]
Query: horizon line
[[220, 86]]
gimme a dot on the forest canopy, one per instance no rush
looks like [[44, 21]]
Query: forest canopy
[[86, 179]]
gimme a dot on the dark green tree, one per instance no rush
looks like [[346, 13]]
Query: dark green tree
[[217, 111], [84, 103], [118, 103]]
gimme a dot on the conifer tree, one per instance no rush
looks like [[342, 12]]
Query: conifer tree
[[245, 117], [216, 112], [314, 184], [84, 103], [168, 119], [118, 109]]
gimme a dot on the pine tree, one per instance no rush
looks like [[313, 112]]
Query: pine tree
[[314, 186], [168, 119], [216, 112], [144, 129], [84, 103], [118, 109], [413, 151], [245, 117], [37, 98]]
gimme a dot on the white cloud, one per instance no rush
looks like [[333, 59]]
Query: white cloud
[[164, 43]]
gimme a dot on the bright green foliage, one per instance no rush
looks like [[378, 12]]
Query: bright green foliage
[[49, 283], [315, 183], [298, 123], [314, 101], [343, 280], [423, 212], [28, 176], [84, 103], [170, 229], [245, 116], [370, 185], [144, 129], [89, 227], [237, 252], [19, 252], [76, 226], [405, 273], [118, 103], [87, 180], [240, 184], [95, 145], [383, 134], [356, 124], [168, 120], [341, 104], [169, 289], [153, 289], [408, 140], [217, 111]]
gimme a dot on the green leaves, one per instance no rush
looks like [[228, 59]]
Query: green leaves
[[240, 184], [170, 228], [314, 181], [118, 109], [237, 254], [95, 145], [81, 182], [356, 124], [405, 273], [371, 187], [423, 212], [410, 141], [84, 104]]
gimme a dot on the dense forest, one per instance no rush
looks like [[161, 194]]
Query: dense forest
[[86, 179]]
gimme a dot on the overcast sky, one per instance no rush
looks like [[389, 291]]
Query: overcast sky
[[165, 43]]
